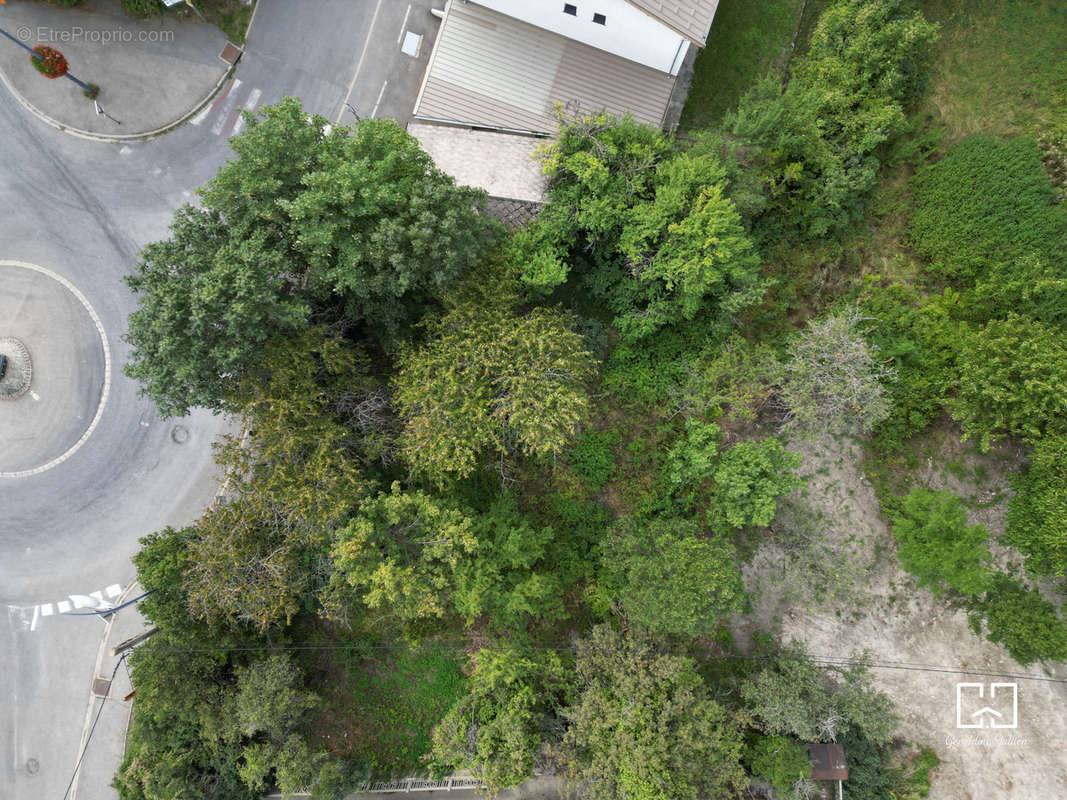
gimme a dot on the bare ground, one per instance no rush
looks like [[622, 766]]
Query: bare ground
[[923, 646]]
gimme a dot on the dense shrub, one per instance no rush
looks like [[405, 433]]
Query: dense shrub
[[1037, 515], [815, 141], [938, 546], [644, 726], [779, 759], [1022, 621], [642, 226], [496, 731], [833, 381], [986, 201], [1012, 374], [670, 577], [592, 458], [921, 340]]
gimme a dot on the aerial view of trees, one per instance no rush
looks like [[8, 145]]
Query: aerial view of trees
[[493, 494]]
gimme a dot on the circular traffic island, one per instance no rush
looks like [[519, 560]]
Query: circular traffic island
[[54, 369], [16, 368]]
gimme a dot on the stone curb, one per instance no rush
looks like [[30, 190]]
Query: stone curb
[[114, 137]]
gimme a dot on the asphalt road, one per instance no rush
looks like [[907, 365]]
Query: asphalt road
[[83, 210]]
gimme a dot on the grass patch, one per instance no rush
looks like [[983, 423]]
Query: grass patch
[[229, 16], [387, 704], [1001, 65], [746, 40]]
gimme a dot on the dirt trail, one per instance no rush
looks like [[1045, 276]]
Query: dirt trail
[[903, 628]]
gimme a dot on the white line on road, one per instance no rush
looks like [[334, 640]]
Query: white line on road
[[46, 609], [36, 614], [359, 64], [104, 393], [227, 107], [114, 590], [249, 105], [374, 113], [63, 606], [201, 115], [404, 25]]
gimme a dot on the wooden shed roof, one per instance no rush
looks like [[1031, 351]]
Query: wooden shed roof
[[827, 762]]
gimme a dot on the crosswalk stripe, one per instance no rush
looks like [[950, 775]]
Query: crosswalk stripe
[[227, 105], [249, 105]]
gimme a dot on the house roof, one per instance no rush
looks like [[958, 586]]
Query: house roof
[[827, 762], [503, 164], [691, 18], [490, 70]]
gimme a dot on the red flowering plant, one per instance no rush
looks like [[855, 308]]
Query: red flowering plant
[[50, 62]]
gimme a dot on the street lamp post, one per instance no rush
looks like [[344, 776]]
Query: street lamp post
[[90, 90]]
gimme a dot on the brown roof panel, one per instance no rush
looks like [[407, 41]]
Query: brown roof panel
[[691, 18], [827, 762], [491, 70]]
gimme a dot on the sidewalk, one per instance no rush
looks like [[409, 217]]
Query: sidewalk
[[104, 749], [151, 73]]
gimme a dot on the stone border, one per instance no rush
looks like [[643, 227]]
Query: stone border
[[25, 365], [104, 393]]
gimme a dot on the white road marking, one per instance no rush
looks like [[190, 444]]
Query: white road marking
[[249, 105], [404, 24], [63, 606], [98, 596], [359, 64], [374, 113], [46, 609], [226, 108], [114, 590], [201, 115], [125, 150], [35, 396], [36, 614]]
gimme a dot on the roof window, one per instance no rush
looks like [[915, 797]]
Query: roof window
[[570, 8], [600, 19]]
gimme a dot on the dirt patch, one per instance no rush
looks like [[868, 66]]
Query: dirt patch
[[922, 647]]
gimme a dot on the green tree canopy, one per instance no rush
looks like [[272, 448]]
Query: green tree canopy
[[643, 726], [497, 729], [670, 576], [646, 227], [399, 553], [795, 697], [489, 382], [292, 480], [814, 143], [305, 219]]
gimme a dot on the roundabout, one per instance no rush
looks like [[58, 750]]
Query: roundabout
[[57, 369]]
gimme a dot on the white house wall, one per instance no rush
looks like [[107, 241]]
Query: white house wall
[[628, 32]]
